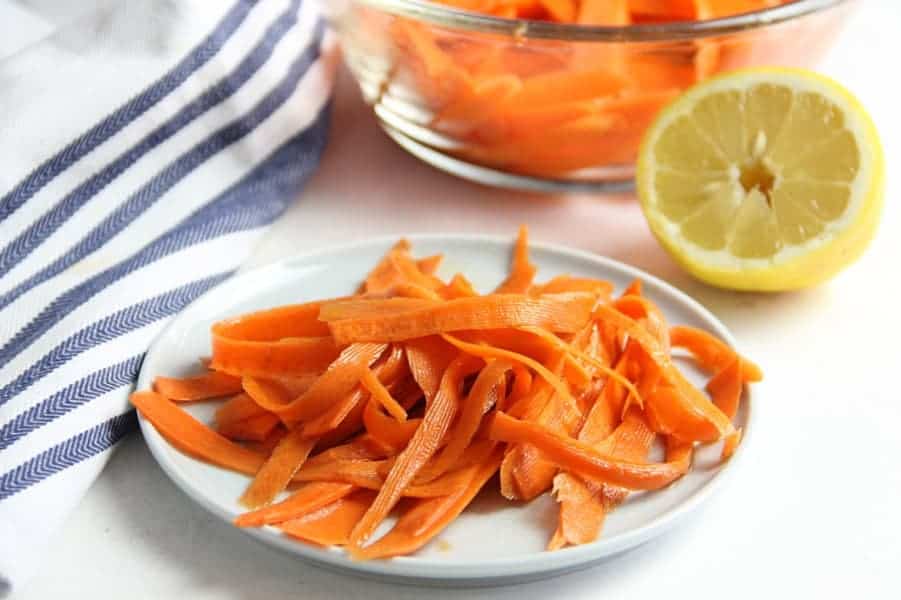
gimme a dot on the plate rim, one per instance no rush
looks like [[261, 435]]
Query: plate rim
[[535, 565]]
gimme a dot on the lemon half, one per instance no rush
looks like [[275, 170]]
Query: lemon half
[[763, 179]]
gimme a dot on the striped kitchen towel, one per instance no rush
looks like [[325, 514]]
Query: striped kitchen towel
[[144, 147]]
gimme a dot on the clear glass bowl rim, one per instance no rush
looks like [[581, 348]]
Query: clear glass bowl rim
[[446, 16]]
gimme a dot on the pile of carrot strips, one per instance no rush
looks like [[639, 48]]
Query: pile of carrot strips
[[423, 390]]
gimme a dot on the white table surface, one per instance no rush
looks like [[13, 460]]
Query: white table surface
[[814, 513]]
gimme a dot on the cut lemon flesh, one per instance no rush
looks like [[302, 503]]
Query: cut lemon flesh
[[763, 179]]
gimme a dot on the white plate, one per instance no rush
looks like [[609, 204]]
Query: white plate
[[493, 541]]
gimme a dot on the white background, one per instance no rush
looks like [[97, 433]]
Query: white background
[[815, 511]]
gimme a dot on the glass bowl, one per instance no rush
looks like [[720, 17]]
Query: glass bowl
[[549, 106]]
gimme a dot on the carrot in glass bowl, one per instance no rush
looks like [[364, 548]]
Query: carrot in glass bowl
[[557, 89]]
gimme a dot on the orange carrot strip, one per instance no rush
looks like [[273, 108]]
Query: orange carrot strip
[[428, 359], [333, 415], [582, 459], [522, 385], [563, 11], [525, 473], [513, 340], [637, 307], [269, 394], [567, 283], [555, 312], [330, 525], [369, 474], [307, 499], [202, 387], [292, 321], [678, 451], [581, 514], [267, 444], [532, 474], [428, 518], [422, 446], [390, 369], [522, 271], [430, 264], [253, 429], [276, 473], [386, 430], [285, 341], [410, 272], [730, 444], [585, 504], [191, 436], [458, 287], [725, 388], [381, 393], [490, 352], [603, 12], [357, 308], [349, 427], [664, 10], [341, 377], [711, 353], [690, 402], [633, 289], [362, 473], [237, 408], [571, 351], [362, 447], [285, 357], [487, 390], [666, 413], [385, 274]]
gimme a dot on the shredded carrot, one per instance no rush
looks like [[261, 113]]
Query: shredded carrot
[[523, 271], [334, 415], [389, 431], [688, 399], [567, 283], [429, 517], [570, 351], [585, 504], [236, 409], [430, 264], [428, 358], [358, 308], [381, 393], [252, 429], [487, 391], [275, 474], [407, 397], [202, 387], [330, 525], [711, 353], [307, 499], [555, 312], [483, 351], [458, 287], [730, 444], [339, 379], [581, 458], [422, 446], [385, 274], [192, 436], [725, 388]]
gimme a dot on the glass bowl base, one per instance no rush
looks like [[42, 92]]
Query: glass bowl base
[[602, 180]]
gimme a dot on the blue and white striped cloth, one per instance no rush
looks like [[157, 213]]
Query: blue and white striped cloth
[[144, 147]]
